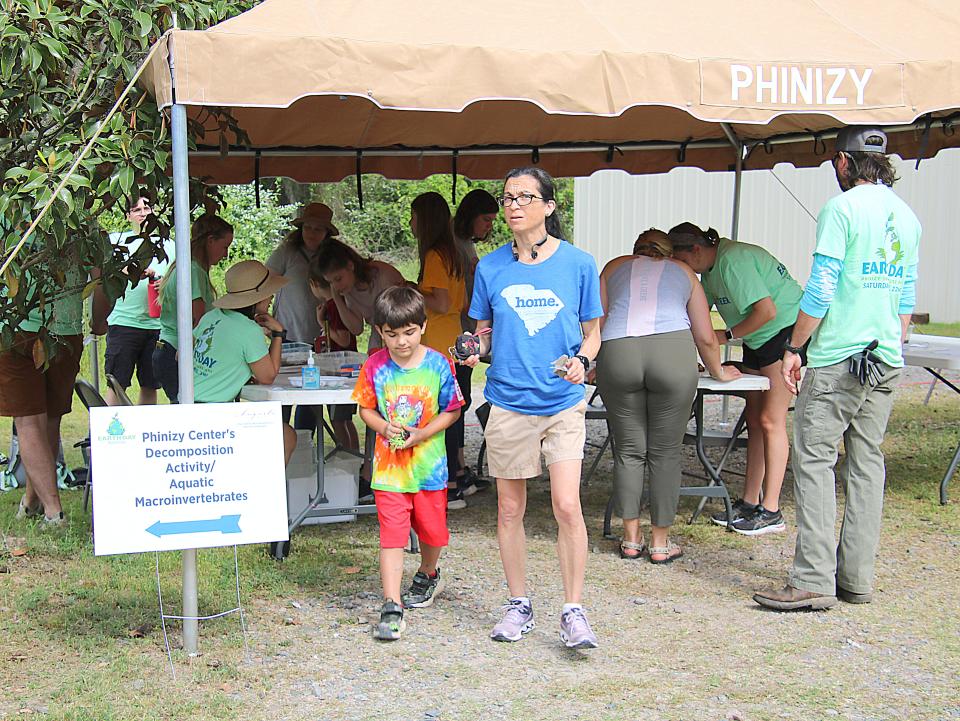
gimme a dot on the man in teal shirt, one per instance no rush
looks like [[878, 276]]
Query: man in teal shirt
[[132, 335], [855, 310], [758, 300]]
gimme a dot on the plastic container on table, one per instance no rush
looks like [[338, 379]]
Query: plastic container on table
[[294, 353], [343, 363]]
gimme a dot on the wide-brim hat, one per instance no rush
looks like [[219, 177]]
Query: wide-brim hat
[[320, 213], [248, 282]]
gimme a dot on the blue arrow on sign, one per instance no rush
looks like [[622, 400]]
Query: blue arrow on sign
[[224, 524]]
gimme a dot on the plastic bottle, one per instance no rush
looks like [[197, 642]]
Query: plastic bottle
[[310, 375]]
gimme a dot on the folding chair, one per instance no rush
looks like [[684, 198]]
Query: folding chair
[[90, 398], [118, 390]]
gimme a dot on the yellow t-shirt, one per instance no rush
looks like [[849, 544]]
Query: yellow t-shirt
[[442, 329]]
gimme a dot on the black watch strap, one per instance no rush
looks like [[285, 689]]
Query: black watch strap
[[796, 350], [584, 360], [282, 334]]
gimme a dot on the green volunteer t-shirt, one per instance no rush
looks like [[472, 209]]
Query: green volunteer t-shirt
[[877, 237], [742, 275], [202, 288], [225, 343], [66, 314], [130, 310]]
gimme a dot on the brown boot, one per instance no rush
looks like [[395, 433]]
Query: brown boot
[[794, 599]]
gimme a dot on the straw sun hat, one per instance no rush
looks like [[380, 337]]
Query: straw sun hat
[[249, 282], [319, 213]]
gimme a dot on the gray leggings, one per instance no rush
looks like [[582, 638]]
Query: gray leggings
[[648, 385]]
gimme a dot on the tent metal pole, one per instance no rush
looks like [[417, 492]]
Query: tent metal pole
[[737, 144], [181, 217]]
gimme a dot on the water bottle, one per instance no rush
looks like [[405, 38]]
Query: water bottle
[[310, 375]]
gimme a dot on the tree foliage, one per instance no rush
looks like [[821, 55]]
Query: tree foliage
[[63, 64]]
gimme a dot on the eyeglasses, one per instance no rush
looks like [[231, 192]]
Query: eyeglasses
[[521, 200]]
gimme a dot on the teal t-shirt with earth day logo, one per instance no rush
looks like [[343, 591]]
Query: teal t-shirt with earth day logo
[[743, 274], [225, 343], [877, 238]]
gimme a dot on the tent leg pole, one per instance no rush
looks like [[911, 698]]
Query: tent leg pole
[[734, 234], [181, 214]]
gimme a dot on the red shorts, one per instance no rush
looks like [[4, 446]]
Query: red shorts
[[424, 511]]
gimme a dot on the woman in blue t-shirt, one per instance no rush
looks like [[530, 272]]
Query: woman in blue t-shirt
[[541, 297]]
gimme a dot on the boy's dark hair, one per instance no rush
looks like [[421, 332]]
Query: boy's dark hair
[[399, 306]]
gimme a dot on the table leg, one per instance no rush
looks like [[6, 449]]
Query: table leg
[[715, 488], [951, 469]]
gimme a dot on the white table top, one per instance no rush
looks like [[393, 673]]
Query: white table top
[[741, 384], [332, 391], [932, 351]]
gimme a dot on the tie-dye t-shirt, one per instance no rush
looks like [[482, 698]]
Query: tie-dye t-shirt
[[409, 397]]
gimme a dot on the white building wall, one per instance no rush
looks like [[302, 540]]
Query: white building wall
[[612, 208]]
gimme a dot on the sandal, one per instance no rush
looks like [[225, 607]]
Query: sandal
[[631, 546], [671, 552]]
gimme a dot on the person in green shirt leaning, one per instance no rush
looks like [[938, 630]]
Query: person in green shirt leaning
[[854, 312], [758, 300], [133, 334]]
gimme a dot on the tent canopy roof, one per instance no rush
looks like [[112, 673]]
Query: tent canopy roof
[[311, 82]]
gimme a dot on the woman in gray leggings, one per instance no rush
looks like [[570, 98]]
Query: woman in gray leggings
[[647, 375]]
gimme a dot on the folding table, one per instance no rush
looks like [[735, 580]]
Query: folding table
[[934, 354]]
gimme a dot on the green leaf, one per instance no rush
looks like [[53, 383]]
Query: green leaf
[[126, 179], [145, 21]]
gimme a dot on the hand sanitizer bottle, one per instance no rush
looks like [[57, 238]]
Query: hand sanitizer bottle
[[310, 375]]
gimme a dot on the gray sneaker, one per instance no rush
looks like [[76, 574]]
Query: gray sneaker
[[741, 509], [575, 631], [423, 591], [517, 620], [24, 511]]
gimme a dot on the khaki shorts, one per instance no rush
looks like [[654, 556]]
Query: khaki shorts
[[515, 441]]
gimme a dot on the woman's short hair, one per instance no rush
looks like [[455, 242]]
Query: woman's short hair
[[547, 191], [474, 204], [398, 307]]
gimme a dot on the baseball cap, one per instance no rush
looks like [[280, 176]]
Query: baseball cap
[[860, 139]]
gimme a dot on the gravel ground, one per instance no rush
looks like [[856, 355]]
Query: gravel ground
[[682, 641]]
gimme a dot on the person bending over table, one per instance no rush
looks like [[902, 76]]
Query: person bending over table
[[647, 376], [759, 301], [228, 342], [355, 283], [295, 306], [541, 296]]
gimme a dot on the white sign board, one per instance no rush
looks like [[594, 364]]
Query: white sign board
[[194, 476]]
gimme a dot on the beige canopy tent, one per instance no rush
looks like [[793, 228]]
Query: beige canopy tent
[[640, 86], [328, 88]]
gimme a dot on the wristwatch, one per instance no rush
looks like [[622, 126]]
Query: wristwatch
[[281, 334], [792, 348], [728, 333], [585, 361]]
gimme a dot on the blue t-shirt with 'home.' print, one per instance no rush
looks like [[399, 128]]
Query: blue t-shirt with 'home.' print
[[536, 311]]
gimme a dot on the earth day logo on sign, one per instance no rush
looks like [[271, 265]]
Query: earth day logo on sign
[[116, 431]]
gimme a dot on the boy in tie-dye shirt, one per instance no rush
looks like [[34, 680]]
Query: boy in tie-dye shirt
[[408, 395]]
